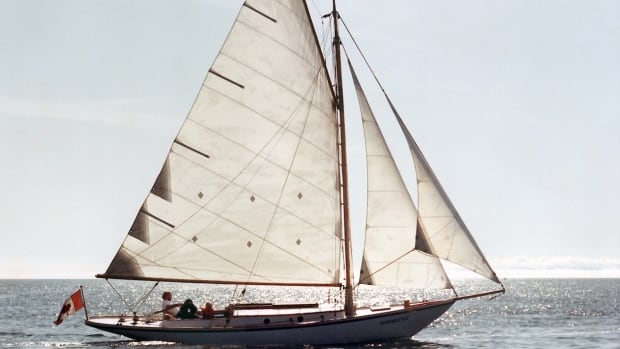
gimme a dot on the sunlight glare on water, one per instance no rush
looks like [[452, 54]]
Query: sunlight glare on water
[[534, 313]]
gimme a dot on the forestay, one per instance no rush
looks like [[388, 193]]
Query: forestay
[[249, 192]]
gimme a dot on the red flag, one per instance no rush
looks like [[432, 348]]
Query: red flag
[[71, 305]]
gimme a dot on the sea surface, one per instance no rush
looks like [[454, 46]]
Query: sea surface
[[534, 313]]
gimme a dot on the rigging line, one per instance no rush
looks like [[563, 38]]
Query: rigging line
[[232, 299], [362, 55], [316, 7], [366, 277], [119, 295], [141, 301], [327, 36]]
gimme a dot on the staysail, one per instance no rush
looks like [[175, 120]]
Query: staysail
[[249, 192], [389, 256]]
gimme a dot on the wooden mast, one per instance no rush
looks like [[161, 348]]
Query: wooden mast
[[348, 303]]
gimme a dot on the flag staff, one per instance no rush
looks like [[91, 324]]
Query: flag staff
[[83, 301]]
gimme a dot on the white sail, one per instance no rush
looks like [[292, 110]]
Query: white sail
[[249, 192], [447, 233], [390, 257], [254, 190]]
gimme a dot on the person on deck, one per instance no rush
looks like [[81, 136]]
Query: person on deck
[[187, 310], [169, 309], [207, 311]]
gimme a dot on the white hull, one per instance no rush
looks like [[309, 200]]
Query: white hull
[[319, 327]]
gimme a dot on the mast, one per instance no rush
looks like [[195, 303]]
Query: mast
[[348, 303]]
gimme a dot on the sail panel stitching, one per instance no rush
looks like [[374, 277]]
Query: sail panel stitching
[[259, 156], [267, 77], [271, 38], [232, 182], [278, 135], [271, 121]]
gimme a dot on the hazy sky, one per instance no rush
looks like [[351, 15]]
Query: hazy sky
[[516, 104]]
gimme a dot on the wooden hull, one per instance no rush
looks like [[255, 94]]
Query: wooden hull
[[316, 327]]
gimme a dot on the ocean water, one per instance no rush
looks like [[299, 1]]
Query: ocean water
[[534, 313]]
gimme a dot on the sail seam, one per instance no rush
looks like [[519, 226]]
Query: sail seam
[[174, 232], [257, 154], [249, 26], [303, 98], [267, 77], [289, 170], [204, 207]]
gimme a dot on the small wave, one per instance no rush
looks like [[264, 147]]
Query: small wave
[[127, 343], [107, 344], [43, 345], [11, 333], [152, 343]]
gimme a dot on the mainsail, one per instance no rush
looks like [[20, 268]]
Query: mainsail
[[249, 192]]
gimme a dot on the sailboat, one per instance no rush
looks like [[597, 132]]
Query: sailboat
[[255, 191]]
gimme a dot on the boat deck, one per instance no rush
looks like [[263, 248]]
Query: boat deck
[[256, 315], [290, 324]]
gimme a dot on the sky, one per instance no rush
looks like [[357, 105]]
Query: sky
[[515, 103]]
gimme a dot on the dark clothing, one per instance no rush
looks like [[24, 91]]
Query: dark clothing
[[187, 310]]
